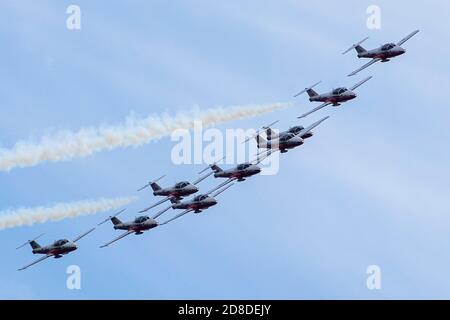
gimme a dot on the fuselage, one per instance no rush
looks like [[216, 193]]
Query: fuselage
[[385, 52], [284, 143], [241, 171], [197, 204], [335, 97], [140, 224], [57, 249], [181, 189], [293, 130]]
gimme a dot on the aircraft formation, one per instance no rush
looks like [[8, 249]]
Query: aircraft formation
[[268, 141]]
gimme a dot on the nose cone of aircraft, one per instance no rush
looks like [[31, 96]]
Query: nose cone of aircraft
[[254, 169], [351, 94], [297, 141]]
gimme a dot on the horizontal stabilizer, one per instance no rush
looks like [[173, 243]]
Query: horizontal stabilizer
[[409, 36], [306, 89], [113, 216], [355, 45], [29, 241], [150, 183]]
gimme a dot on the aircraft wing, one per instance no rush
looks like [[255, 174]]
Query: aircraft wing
[[368, 64], [203, 178], [123, 235], [412, 34], [312, 126], [161, 212], [223, 184], [264, 155], [34, 262], [220, 185], [154, 205], [215, 194], [177, 216], [361, 83], [323, 105], [83, 235]]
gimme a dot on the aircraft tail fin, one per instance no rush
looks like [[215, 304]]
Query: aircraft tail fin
[[174, 200], [269, 133], [311, 93], [309, 90], [155, 186], [215, 168], [360, 49], [152, 184], [32, 242], [115, 221], [34, 245], [357, 46], [262, 143]]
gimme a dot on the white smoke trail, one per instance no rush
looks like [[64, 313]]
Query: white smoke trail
[[59, 211], [134, 132]]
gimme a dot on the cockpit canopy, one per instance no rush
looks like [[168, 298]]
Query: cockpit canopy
[[141, 219], [200, 197], [59, 243], [388, 46], [296, 129], [287, 137], [339, 90], [181, 185], [243, 166]]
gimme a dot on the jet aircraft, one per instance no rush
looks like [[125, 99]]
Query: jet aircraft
[[57, 249], [335, 97], [136, 226], [383, 53]]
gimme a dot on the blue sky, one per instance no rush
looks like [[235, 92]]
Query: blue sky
[[370, 188]]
